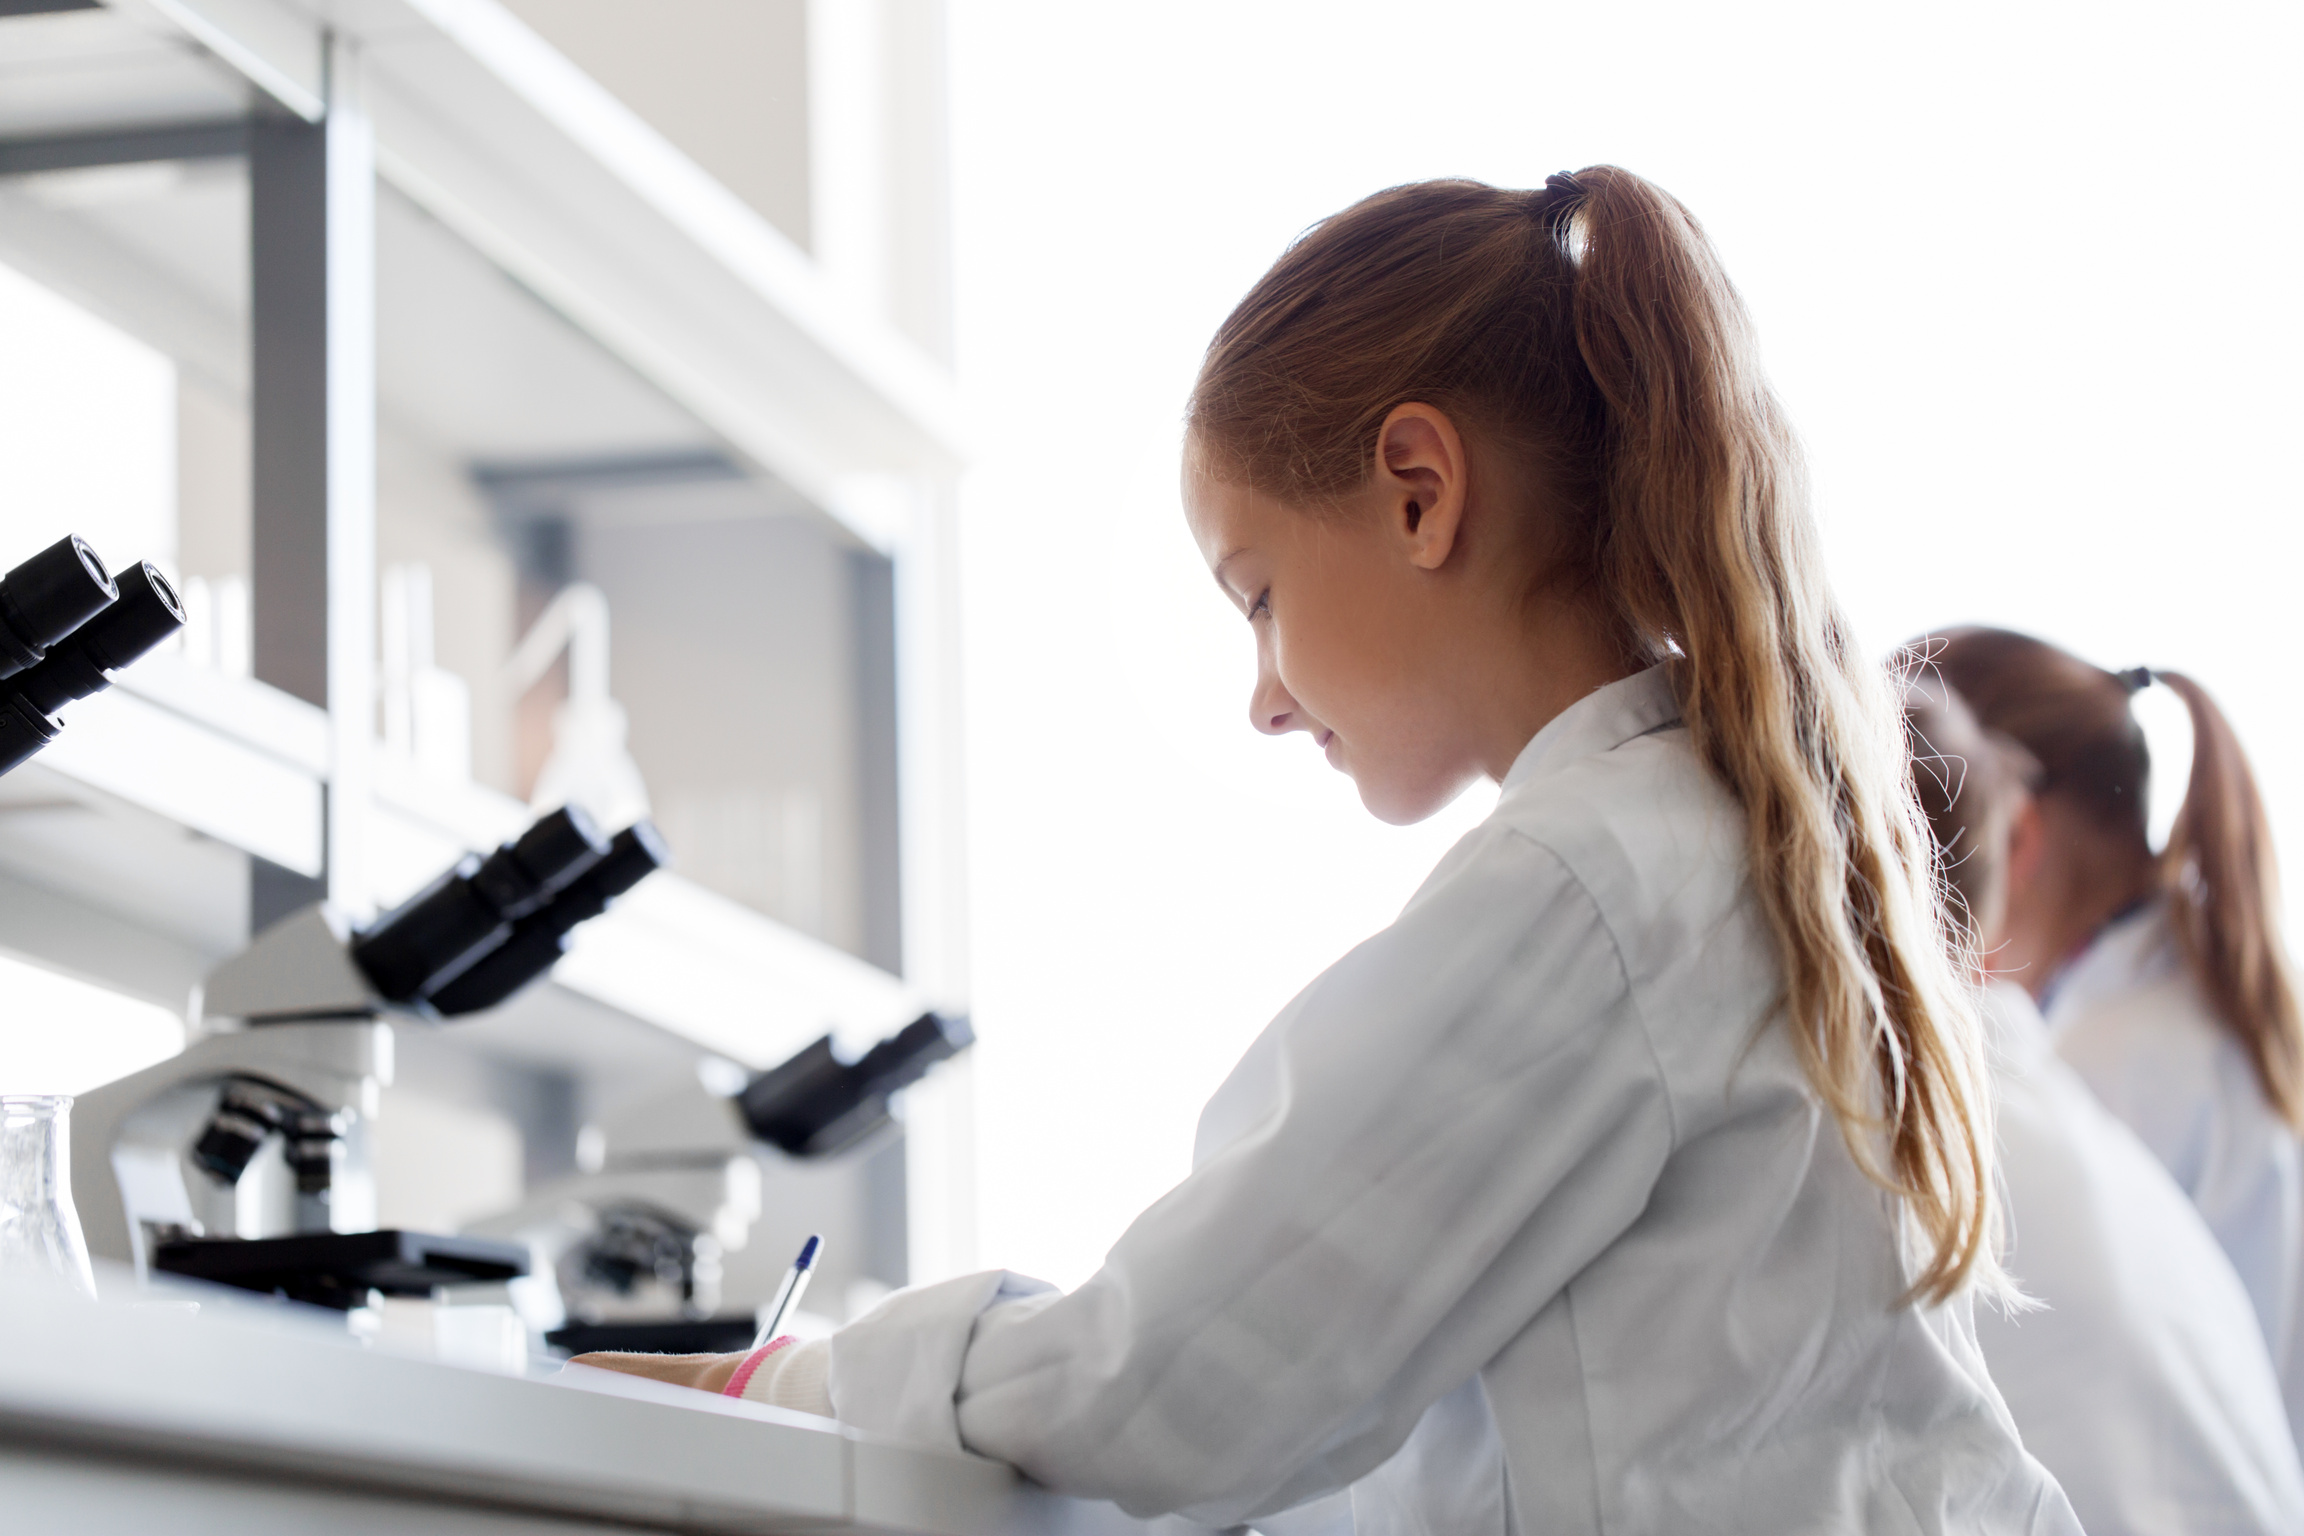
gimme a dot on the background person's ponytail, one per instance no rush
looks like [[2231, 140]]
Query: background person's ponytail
[[2217, 872], [2223, 891], [1586, 330]]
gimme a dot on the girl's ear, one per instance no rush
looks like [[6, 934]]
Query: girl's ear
[[2027, 853], [1420, 482]]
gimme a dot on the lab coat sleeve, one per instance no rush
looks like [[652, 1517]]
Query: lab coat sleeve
[[1469, 1110]]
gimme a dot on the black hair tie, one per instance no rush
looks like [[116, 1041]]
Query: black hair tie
[[1555, 208], [2135, 679]]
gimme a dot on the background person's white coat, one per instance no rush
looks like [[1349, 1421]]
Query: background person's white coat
[[2143, 1382], [2133, 1023], [1541, 1153]]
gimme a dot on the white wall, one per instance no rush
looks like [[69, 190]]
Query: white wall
[[427, 511], [725, 80], [441, 1163], [213, 493], [87, 432], [733, 656]]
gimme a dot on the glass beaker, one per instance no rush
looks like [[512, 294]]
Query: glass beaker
[[39, 1229]]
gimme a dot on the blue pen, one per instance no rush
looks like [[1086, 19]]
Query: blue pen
[[795, 1285]]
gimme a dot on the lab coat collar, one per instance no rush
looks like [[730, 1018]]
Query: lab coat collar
[[1601, 721], [2125, 954]]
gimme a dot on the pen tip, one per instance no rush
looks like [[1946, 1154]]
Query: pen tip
[[808, 1251]]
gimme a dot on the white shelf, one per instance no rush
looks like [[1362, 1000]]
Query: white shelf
[[237, 761], [240, 763], [484, 125]]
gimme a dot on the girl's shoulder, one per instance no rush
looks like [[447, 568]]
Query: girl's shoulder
[[2157, 1058], [2156, 1038], [1642, 824], [1658, 846]]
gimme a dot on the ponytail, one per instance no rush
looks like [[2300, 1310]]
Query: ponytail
[[2223, 895], [1588, 331], [1709, 545], [2217, 872]]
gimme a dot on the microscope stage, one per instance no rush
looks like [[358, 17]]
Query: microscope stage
[[339, 1269]]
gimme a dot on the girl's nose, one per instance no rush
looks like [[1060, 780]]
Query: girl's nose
[[1270, 709]]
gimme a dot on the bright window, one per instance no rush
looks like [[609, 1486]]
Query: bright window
[[62, 1035]]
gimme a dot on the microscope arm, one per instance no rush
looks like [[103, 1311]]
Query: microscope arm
[[128, 1137], [299, 968], [688, 1126]]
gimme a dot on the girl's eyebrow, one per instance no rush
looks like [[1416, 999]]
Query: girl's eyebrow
[[1217, 571]]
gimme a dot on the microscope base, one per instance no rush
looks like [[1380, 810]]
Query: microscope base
[[339, 1269]]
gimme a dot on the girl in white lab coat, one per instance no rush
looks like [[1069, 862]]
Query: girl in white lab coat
[[2141, 1381], [1638, 1177], [2161, 973]]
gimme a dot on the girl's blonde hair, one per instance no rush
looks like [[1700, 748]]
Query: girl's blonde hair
[[1587, 330]]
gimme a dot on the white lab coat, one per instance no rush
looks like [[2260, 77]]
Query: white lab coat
[[1520, 1218], [2137, 1028], [2143, 1382]]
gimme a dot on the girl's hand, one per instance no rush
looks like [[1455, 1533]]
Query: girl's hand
[[706, 1373], [784, 1373]]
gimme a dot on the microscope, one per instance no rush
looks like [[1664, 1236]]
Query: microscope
[[247, 1159], [634, 1240], [65, 627]]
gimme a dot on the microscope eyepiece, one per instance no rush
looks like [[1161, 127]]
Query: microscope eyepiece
[[149, 611], [523, 874], [146, 612], [815, 1104], [470, 910], [541, 938], [636, 853], [47, 598]]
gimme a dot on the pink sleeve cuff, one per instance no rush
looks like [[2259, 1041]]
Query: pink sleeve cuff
[[743, 1376]]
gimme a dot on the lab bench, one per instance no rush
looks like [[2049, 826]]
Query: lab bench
[[152, 1412]]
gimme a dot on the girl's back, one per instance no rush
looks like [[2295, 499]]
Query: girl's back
[[2162, 971], [2141, 1379], [1521, 1217], [1722, 1281], [2135, 1024], [1753, 1311]]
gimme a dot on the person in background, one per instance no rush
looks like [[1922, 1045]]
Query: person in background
[[2141, 1380], [1639, 1176], [2162, 973]]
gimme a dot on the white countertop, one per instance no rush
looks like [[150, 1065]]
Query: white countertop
[[261, 1394]]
